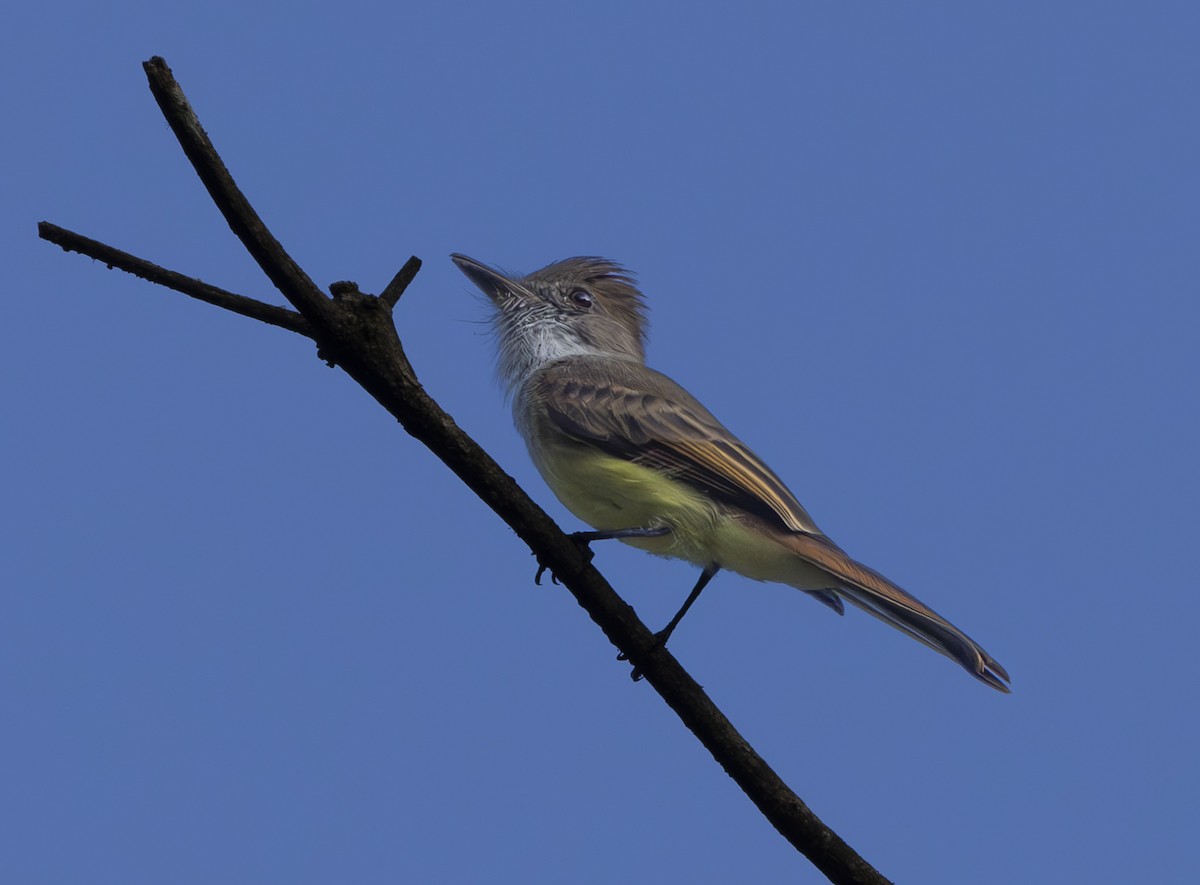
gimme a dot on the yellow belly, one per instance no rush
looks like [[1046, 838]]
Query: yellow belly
[[609, 493]]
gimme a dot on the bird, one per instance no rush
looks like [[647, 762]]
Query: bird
[[634, 455]]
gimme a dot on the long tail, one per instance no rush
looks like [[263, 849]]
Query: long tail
[[876, 595]]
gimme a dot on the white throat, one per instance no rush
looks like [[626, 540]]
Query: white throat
[[527, 344]]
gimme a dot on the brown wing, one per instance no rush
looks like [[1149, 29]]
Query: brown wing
[[643, 416]]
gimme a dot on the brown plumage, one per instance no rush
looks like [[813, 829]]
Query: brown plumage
[[572, 349]]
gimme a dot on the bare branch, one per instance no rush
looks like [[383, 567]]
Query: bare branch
[[279, 267], [392, 292], [357, 332], [240, 304]]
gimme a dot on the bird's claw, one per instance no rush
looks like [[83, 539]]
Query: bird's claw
[[636, 673], [582, 541], [542, 569]]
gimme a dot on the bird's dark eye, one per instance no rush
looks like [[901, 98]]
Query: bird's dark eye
[[582, 299]]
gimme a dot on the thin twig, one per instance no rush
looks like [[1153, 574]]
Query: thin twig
[[279, 267], [240, 304]]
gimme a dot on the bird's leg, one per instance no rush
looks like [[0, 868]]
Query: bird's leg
[[707, 575], [661, 637], [583, 539]]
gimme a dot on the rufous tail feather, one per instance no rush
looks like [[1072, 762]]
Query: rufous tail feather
[[876, 595]]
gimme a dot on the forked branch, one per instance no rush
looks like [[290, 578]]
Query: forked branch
[[357, 333]]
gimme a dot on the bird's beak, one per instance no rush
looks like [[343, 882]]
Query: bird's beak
[[490, 281]]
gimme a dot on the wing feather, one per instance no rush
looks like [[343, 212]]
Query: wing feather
[[876, 595], [647, 418]]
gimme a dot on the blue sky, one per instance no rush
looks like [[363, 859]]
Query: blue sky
[[936, 263]]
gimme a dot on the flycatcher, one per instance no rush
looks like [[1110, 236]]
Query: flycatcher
[[637, 457]]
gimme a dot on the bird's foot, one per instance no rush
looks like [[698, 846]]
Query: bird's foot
[[582, 541], [660, 640]]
